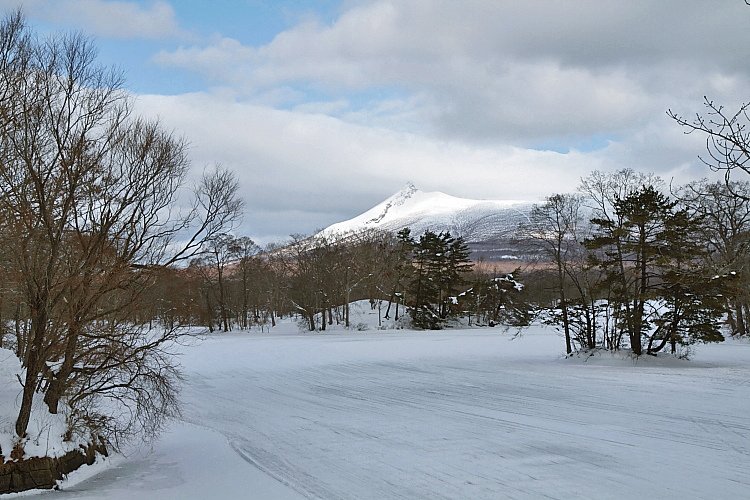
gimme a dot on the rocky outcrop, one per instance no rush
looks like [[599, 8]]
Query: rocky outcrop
[[44, 472]]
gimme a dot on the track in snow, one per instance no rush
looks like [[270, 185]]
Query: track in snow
[[472, 415]]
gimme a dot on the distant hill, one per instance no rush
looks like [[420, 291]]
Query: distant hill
[[486, 225]]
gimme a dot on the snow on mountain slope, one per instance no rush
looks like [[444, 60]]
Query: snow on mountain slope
[[474, 220]]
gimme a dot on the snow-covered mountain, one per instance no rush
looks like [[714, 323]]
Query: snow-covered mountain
[[486, 225]]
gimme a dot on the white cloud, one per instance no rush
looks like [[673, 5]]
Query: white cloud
[[498, 71], [327, 120], [303, 171], [223, 59], [116, 19]]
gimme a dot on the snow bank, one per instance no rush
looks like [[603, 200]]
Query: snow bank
[[45, 431]]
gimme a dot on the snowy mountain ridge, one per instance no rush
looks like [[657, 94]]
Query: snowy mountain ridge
[[480, 222], [394, 201]]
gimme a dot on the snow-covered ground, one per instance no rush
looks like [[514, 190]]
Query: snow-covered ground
[[455, 414]]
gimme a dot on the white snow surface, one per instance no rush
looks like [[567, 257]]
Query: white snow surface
[[454, 414], [45, 431], [474, 220]]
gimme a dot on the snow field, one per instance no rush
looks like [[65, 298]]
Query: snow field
[[189, 462], [479, 414], [455, 414]]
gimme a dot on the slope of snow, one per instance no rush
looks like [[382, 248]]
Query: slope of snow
[[45, 431], [189, 463], [475, 220], [475, 414], [455, 414]]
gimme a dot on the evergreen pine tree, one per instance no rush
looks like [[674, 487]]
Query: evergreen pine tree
[[423, 288], [440, 260], [653, 261], [457, 263]]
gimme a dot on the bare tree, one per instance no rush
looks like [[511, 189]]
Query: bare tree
[[93, 194], [219, 254], [724, 212], [245, 251], [727, 137], [552, 230]]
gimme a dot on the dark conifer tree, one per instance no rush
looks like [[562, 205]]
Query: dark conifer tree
[[423, 288], [457, 264], [652, 258], [440, 260]]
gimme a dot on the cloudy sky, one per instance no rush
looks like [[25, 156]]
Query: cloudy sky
[[325, 108]]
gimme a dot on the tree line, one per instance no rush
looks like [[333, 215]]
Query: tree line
[[236, 285], [622, 264], [634, 266]]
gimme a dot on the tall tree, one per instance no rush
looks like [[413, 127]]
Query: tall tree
[[423, 287], [440, 261], [220, 252], [552, 230], [249, 265], [92, 192], [602, 192], [724, 211], [652, 259], [457, 264], [691, 293], [404, 246]]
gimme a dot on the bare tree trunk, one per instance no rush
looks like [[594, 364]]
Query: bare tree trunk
[[209, 312], [222, 297], [32, 361], [564, 307], [390, 300], [24, 413], [740, 318], [592, 304], [730, 317], [20, 344], [664, 340], [635, 337], [56, 388], [2, 321], [346, 312], [245, 301], [222, 308]]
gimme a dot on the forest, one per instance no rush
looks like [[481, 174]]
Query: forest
[[619, 264]]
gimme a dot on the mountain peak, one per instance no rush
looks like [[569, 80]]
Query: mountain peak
[[407, 191], [475, 220], [396, 200]]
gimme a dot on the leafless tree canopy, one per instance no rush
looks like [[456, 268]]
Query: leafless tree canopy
[[89, 208], [727, 137]]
